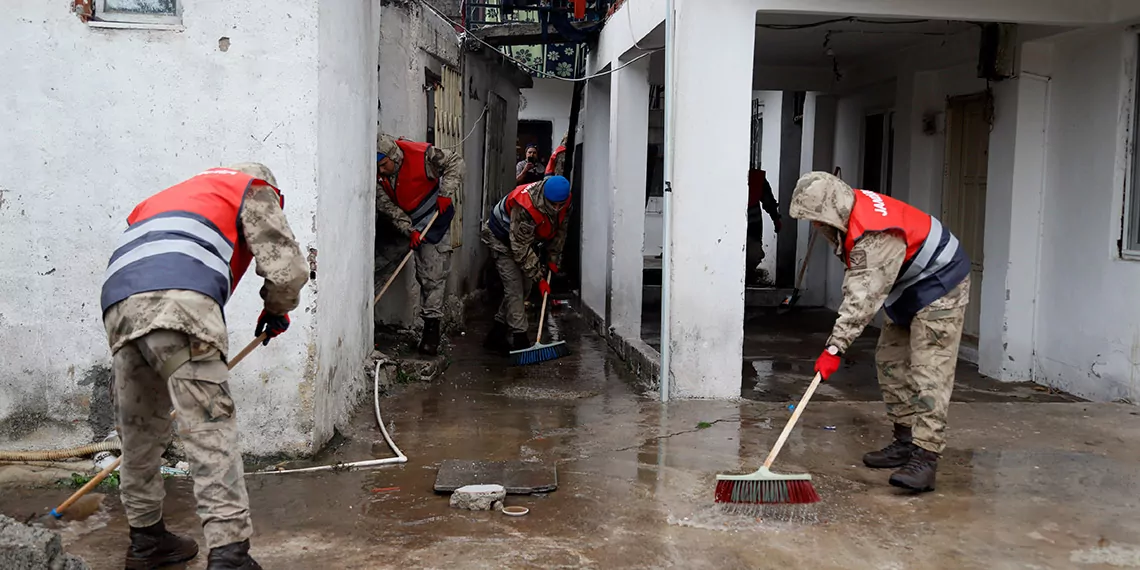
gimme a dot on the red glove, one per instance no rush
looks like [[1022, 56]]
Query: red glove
[[827, 364], [271, 325], [443, 204], [553, 267], [417, 238], [779, 225], [544, 287]]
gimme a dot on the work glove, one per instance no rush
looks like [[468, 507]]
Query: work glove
[[443, 204], [417, 239], [827, 364], [271, 325], [544, 287], [553, 267]]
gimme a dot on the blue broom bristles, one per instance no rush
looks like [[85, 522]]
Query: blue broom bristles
[[540, 353]]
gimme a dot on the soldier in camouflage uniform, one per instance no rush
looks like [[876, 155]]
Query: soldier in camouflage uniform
[[531, 216], [183, 253], [903, 260], [413, 182]]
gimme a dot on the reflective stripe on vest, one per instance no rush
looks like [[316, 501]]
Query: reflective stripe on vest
[[415, 193], [935, 262], [500, 222], [185, 237]]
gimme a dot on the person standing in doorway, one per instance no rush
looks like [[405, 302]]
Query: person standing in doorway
[[184, 252], [760, 196], [901, 259], [556, 166], [414, 181], [532, 217], [529, 169]]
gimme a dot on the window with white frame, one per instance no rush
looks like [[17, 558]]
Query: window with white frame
[[1130, 240], [139, 11]]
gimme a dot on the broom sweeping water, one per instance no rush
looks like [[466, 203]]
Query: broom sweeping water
[[765, 487], [84, 506], [540, 352]]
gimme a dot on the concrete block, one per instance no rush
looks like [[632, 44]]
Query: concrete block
[[478, 497], [24, 547]]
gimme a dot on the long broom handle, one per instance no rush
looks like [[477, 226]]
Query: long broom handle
[[57, 512], [792, 421], [807, 256], [542, 314], [405, 261]]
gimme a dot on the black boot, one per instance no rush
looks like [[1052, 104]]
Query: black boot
[[894, 455], [918, 473], [154, 547], [520, 340], [429, 342], [497, 340], [233, 556]]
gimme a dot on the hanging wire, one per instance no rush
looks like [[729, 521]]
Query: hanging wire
[[538, 72], [460, 143], [851, 19]]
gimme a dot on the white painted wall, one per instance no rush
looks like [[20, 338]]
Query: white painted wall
[[595, 199], [549, 100], [346, 142], [97, 120], [1088, 325]]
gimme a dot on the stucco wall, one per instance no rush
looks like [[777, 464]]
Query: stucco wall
[[549, 100], [95, 121], [1088, 321], [346, 138]]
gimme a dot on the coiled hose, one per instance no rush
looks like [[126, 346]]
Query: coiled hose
[[52, 454]]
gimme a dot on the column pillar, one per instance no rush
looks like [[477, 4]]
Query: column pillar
[[629, 140], [712, 105], [595, 198]]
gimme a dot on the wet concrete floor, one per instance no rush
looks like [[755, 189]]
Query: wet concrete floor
[[1025, 483]]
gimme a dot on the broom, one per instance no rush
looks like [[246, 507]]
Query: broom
[[764, 486], [540, 352], [84, 506]]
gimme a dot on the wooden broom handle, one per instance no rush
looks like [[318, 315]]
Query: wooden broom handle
[[807, 256], [792, 421], [405, 261], [542, 313], [245, 351]]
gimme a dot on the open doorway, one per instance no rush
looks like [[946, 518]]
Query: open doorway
[[538, 133], [964, 190]]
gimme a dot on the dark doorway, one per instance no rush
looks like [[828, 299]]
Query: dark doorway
[[537, 133]]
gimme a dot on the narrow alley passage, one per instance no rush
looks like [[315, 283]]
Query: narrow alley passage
[[1026, 482]]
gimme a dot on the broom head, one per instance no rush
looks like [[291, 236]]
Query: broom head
[[539, 353], [765, 488]]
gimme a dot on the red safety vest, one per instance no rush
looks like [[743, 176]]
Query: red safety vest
[[412, 184], [874, 212], [545, 229], [550, 164]]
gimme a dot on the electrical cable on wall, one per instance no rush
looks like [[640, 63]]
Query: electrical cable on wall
[[469, 133], [537, 72]]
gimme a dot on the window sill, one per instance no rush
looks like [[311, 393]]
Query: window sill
[[1130, 255], [135, 26]]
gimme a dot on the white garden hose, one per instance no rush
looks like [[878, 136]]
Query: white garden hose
[[400, 457]]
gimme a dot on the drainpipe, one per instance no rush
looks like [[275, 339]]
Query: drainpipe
[[667, 199]]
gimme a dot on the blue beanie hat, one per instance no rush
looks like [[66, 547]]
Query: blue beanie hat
[[556, 189]]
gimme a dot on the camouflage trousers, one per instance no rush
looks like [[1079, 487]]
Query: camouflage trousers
[[512, 310], [433, 263], [916, 367], [199, 393]]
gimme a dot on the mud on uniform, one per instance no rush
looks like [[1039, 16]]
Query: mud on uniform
[[408, 200], [903, 260], [521, 221], [181, 257]]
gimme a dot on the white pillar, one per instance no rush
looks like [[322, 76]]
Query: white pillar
[[629, 139], [713, 93], [595, 199], [1013, 221], [770, 151]]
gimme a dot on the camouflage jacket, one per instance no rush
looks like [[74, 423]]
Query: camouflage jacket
[[278, 261], [444, 165], [524, 242]]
